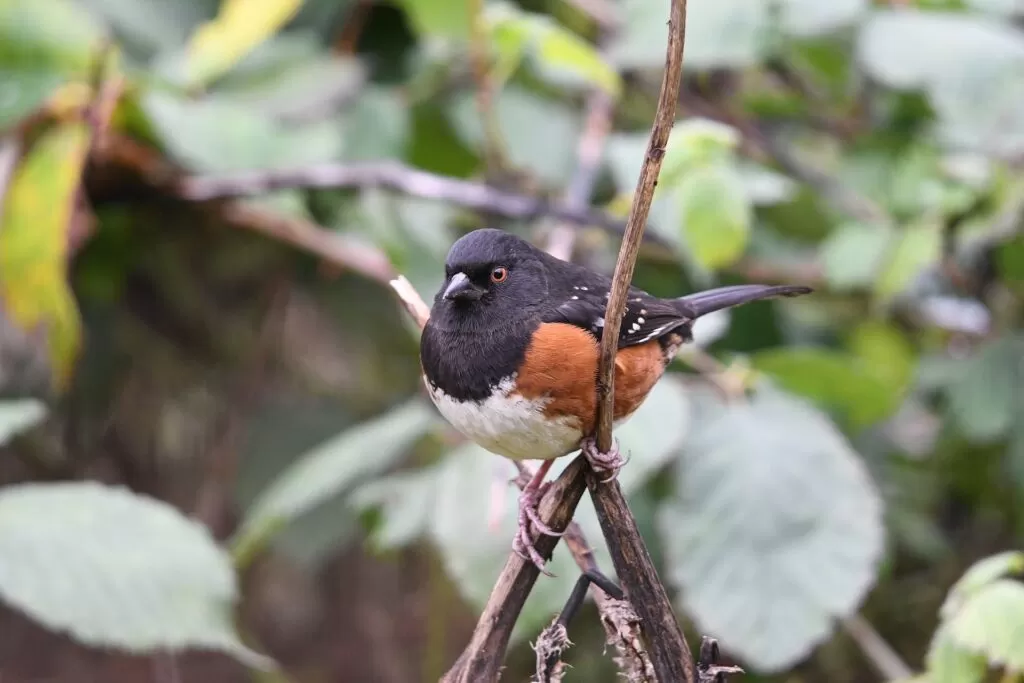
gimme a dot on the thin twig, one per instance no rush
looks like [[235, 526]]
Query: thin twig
[[394, 176], [666, 645], [495, 155], [881, 655]]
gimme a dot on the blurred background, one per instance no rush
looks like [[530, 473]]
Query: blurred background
[[213, 442]]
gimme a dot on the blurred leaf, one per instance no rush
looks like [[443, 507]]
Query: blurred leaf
[[16, 416], [915, 248], [853, 254], [466, 507], [540, 133], [152, 25], [980, 575], [1005, 8], [215, 136], [764, 186], [239, 26], [1010, 261], [807, 18], [114, 569], [984, 393], [863, 392], [775, 530], [377, 126], [991, 623], [444, 19], [971, 66], [557, 51], [37, 214], [949, 663], [42, 45], [716, 215], [885, 351], [331, 467], [694, 143], [721, 34]]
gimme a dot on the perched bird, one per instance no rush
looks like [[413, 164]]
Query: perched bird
[[510, 353]]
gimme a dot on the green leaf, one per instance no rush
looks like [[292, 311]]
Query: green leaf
[[446, 19], [949, 663], [239, 26], [971, 66], [37, 214], [42, 46], [151, 25], [716, 215], [539, 133], [834, 379], [217, 136], [916, 247], [723, 34], [17, 416], [978, 576], [809, 18], [465, 506], [115, 569], [991, 623], [853, 254], [333, 466], [557, 51], [984, 393], [695, 143], [775, 529]]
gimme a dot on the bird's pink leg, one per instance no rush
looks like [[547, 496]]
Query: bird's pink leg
[[529, 517], [610, 462]]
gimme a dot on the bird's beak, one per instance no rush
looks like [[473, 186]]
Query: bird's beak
[[460, 288]]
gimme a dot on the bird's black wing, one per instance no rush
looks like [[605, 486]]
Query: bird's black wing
[[646, 317]]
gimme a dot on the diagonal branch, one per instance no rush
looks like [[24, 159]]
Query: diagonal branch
[[667, 647]]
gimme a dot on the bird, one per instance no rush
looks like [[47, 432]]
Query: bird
[[509, 354]]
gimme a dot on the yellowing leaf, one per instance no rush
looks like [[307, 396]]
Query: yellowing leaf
[[33, 243], [241, 25]]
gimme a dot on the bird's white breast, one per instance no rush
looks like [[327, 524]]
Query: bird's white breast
[[509, 424]]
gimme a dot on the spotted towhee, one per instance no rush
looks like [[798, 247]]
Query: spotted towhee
[[510, 353]]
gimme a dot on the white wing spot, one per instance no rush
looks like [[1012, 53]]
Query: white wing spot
[[599, 322], [583, 289], [640, 320], [634, 328], [574, 297], [643, 311]]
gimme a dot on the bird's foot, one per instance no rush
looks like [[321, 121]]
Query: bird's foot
[[529, 517], [603, 463]]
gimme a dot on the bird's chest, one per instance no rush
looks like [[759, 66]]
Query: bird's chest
[[509, 424]]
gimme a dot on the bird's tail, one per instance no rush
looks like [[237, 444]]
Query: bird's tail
[[711, 300]]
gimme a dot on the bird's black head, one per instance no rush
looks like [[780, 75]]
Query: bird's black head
[[491, 279]]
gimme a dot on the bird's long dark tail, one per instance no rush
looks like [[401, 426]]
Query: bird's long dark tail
[[711, 300]]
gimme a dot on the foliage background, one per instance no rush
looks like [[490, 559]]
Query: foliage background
[[241, 367]]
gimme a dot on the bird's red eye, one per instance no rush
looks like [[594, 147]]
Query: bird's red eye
[[499, 274]]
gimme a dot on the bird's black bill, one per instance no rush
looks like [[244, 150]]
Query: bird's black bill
[[461, 288], [702, 303]]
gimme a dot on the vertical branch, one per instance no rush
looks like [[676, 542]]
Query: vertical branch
[[494, 147], [667, 647]]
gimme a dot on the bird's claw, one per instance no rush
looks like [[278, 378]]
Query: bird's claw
[[530, 517], [602, 463]]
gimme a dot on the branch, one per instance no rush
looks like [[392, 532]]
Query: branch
[[666, 645], [394, 176]]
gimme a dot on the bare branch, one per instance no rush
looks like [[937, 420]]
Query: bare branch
[[394, 176], [667, 647], [881, 655]]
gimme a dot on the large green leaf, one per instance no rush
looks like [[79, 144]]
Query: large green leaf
[[114, 569], [775, 530], [716, 214], [452, 502], [332, 467], [213, 135], [947, 662], [971, 66], [445, 19], [853, 254], [807, 18], [37, 214], [914, 248], [978, 576], [539, 133], [991, 623], [18, 415]]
